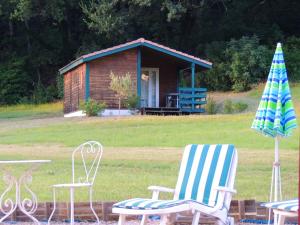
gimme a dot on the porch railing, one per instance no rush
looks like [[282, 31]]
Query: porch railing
[[192, 100]]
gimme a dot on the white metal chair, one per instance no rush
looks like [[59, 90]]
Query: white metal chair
[[283, 209], [90, 154], [204, 186]]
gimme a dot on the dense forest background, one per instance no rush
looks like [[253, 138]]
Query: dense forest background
[[238, 36]]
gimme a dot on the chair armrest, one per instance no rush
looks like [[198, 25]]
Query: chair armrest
[[157, 189], [72, 185], [226, 189], [223, 192], [162, 189]]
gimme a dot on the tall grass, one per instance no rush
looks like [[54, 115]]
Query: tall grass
[[31, 110], [258, 91]]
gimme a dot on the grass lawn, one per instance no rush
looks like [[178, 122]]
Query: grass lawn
[[142, 131], [31, 111], [143, 150], [126, 172]]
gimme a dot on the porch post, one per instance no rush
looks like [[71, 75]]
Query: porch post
[[138, 72], [193, 85], [193, 75], [87, 81]]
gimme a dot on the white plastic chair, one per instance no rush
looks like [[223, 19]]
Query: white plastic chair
[[205, 185], [90, 153]]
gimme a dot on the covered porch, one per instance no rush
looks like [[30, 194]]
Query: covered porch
[[169, 84]]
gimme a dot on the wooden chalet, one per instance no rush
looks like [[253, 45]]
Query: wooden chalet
[[164, 78]]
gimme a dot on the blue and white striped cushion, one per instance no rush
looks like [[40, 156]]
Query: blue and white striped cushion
[[288, 205], [203, 168], [140, 203]]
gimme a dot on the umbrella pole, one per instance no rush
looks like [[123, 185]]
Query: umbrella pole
[[277, 180], [271, 194]]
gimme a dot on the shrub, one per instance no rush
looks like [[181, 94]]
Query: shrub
[[42, 95], [92, 107], [132, 102], [211, 106], [228, 107], [239, 107]]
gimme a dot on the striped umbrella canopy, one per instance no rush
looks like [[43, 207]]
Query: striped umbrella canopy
[[276, 115]]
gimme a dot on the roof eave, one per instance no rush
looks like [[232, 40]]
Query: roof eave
[[83, 59], [185, 58], [71, 65], [121, 49]]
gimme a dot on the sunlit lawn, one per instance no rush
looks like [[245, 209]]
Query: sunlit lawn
[[126, 172], [31, 110], [143, 150], [145, 131]]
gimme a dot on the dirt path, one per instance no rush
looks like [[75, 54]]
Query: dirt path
[[10, 124]]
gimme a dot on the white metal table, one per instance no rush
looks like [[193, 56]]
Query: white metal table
[[28, 205]]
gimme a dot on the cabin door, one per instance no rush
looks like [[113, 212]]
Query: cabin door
[[150, 87]]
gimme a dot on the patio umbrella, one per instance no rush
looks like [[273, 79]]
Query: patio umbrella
[[275, 116]]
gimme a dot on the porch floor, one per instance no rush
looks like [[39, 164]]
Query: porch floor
[[163, 111]]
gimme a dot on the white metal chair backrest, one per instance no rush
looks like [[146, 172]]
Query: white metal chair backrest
[[90, 154]]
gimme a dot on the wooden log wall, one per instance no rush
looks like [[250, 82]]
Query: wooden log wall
[[240, 210]]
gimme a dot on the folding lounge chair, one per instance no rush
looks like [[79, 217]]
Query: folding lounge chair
[[282, 209], [205, 186]]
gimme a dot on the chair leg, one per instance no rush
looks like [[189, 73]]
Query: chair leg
[[72, 206], [54, 207], [228, 221], [144, 219], [171, 218], [231, 220], [219, 222], [91, 205], [275, 218], [281, 219], [163, 219], [196, 218], [122, 219]]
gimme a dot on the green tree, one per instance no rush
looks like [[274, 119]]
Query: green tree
[[14, 81], [47, 35], [292, 57], [42, 34], [218, 77], [250, 62]]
